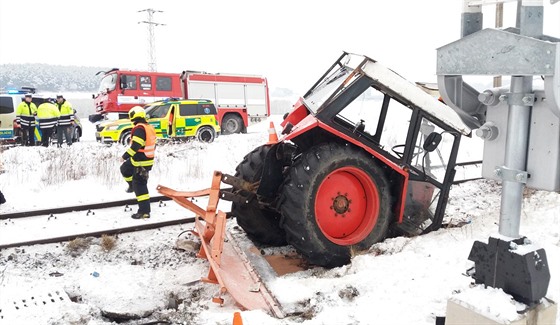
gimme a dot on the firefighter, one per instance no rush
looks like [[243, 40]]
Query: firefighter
[[25, 113], [65, 120], [139, 159], [47, 118]]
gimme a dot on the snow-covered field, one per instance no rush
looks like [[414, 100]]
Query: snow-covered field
[[398, 281]]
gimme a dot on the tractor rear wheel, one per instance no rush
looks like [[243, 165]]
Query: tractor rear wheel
[[335, 201], [262, 224]]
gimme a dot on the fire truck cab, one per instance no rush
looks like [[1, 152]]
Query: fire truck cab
[[120, 90]]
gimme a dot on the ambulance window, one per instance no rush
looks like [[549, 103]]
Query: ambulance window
[[130, 82], [145, 83], [206, 109], [188, 109], [158, 111], [163, 83], [6, 105]]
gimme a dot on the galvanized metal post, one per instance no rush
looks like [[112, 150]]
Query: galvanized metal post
[[515, 155], [499, 24], [521, 99]]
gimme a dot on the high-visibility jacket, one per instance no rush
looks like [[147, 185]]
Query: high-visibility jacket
[[66, 113], [142, 145], [47, 115], [25, 113]]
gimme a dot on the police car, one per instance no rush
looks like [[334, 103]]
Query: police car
[[10, 131]]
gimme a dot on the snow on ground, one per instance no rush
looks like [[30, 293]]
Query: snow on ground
[[398, 281]]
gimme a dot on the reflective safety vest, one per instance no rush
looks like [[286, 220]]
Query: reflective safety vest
[[25, 113], [47, 115], [150, 146], [66, 113]]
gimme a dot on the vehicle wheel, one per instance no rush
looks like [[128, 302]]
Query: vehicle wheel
[[125, 137], [76, 135], [335, 201], [262, 224], [206, 134], [232, 124]]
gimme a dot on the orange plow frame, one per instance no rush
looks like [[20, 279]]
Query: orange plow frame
[[229, 266]]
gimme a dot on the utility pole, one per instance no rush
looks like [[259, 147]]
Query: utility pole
[[499, 24], [151, 38]]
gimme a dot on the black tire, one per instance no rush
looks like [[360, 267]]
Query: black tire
[[125, 137], [262, 224], [206, 134], [76, 135], [326, 184], [232, 123]]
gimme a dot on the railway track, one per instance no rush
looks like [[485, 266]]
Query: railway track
[[83, 207], [17, 224]]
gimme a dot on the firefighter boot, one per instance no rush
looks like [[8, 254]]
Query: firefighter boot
[[139, 215]]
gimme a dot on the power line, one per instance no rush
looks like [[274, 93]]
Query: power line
[[151, 37]]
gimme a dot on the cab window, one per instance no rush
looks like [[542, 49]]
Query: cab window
[[159, 111], [207, 109], [188, 109], [163, 83], [130, 81]]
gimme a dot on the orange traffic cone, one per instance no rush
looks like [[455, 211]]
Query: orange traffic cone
[[237, 318], [272, 136]]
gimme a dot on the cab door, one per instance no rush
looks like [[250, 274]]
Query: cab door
[[171, 122], [158, 118], [146, 89], [187, 120]]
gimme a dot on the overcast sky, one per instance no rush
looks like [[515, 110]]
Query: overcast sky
[[290, 42]]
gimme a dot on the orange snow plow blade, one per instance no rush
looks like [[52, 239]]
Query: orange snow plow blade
[[230, 267]]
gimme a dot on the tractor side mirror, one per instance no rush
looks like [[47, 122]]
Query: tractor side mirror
[[432, 141]]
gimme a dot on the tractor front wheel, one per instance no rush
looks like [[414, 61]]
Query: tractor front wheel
[[261, 223], [335, 201]]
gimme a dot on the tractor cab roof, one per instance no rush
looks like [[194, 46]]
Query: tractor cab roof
[[350, 67]]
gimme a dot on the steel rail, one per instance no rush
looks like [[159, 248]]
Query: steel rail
[[100, 233], [102, 205]]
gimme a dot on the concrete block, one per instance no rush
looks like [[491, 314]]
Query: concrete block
[[462, 313]]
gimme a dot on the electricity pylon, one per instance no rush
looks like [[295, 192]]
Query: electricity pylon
[[151, 38]]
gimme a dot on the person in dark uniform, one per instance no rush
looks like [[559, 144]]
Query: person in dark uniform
[[139, 159]]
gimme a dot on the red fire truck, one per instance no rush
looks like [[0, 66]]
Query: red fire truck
[[240, 99]]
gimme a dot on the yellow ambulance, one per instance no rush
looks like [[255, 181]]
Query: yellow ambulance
[[172, 118]]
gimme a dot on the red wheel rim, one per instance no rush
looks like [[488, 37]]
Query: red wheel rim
[[347, 206]]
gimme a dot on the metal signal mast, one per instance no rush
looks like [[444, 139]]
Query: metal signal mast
[[151, 38]]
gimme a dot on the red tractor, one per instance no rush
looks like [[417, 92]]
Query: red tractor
[[365, 154]]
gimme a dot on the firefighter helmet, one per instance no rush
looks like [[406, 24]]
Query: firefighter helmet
[[137, 112]]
